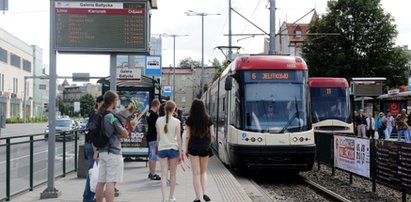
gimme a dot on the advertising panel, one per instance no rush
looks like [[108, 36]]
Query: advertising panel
[[352, 154], [132, 109]]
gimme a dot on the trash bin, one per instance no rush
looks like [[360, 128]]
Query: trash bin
[[82, 168]]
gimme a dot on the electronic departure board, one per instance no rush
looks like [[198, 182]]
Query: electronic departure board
[[101, 26]]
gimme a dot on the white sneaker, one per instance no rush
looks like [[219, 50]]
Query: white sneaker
[[172, 200]]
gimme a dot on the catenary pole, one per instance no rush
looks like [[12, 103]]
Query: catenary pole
[[272, 28]]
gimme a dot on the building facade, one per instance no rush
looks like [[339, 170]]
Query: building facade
[[73, 93], [187, 83], [18, 62]]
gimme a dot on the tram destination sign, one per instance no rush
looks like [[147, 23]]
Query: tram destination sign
[[101, 26]]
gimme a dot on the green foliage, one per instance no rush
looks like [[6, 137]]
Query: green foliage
[[364, 46], [87, 103], [30, 120], [188, 62], [220, 68]]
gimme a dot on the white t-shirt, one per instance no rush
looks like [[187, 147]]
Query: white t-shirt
[[168, 140]]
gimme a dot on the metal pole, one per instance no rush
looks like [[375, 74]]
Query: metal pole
[[51, 191], [8, 169], [113, 72], [31, 162], [24, 100], [230, 51], [272, 28], [202, 55], [174, 68]]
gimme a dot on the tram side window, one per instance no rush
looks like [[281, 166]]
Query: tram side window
[[235, 105]]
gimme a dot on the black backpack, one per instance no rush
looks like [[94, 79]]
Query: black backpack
[[95, 131]]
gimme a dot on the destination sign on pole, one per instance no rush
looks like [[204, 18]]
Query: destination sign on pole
[[81, 77], [101, 26]]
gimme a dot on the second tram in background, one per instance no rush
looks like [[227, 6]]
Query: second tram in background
[[330, 105], [260, 107]]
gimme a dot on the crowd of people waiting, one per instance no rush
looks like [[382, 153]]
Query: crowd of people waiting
[[382, 125]]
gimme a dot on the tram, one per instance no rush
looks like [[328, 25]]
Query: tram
[[260, 107], [330, 105]]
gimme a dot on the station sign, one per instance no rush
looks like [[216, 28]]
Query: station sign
[[125, 73], [168, 91], [153, 65], [101, 26]]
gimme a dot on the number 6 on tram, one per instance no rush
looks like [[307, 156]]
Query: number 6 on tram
[[260, 107]]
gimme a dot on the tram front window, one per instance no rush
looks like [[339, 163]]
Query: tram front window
[[330, 104], [273, 107]]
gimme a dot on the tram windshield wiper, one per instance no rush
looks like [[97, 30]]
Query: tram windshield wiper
[[296, 115]]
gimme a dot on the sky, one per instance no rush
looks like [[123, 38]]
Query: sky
[[29, 21]]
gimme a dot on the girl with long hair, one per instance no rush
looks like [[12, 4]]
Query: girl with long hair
[[199, 137], [169, 148]]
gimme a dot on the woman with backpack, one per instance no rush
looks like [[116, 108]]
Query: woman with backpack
[[169, 148], [199, 137], [110, 157]]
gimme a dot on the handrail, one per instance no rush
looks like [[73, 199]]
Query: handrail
[[8, 146]]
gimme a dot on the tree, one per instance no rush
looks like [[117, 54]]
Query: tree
[[364, 46], [220, 67], [188, 62], [60, 104], [87, 102]]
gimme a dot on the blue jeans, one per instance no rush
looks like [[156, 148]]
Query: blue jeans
[[88, 196], [406, 134]]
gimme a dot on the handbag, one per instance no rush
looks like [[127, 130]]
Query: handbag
[[93, 173], [210, 152]]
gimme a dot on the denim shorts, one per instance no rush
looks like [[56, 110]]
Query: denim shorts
[[169, 153], [152, 146]]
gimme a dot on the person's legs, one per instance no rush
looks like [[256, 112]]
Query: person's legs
[[407, 136], [164, 169], [195, 168], [389, 131], [173, 175], [88, 195], [363, 130], [359, 131], [100, 191], [109, 193], [399, 134], [152, 161], [203, 173]]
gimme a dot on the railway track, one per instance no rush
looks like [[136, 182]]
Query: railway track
[[294, 188]]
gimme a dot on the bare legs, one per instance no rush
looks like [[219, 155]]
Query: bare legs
[[199, 168], [167, 163], [109, 193]]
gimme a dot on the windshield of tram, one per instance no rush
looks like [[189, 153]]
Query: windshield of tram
[[330, 103], [276, 106]]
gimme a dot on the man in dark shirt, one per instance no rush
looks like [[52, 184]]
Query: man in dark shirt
[[152, 138], [89, 152]]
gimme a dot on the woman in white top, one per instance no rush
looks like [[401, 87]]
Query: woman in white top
[[169, 147]]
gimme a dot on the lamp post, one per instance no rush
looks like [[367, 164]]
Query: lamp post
[[174, 60], [193, 13]]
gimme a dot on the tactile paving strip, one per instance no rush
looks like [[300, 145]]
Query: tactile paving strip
[[229, 187]]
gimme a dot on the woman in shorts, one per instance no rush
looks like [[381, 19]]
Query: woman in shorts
[[199, 137], [169, 147]]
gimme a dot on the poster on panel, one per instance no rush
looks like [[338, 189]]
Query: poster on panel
[[132, 108], [352, 154]]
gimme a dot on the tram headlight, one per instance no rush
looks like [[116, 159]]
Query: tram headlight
[[252, 139], [295, 139], [301, 139]]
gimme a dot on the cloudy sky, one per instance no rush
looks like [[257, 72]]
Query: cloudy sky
[[29, 21]]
